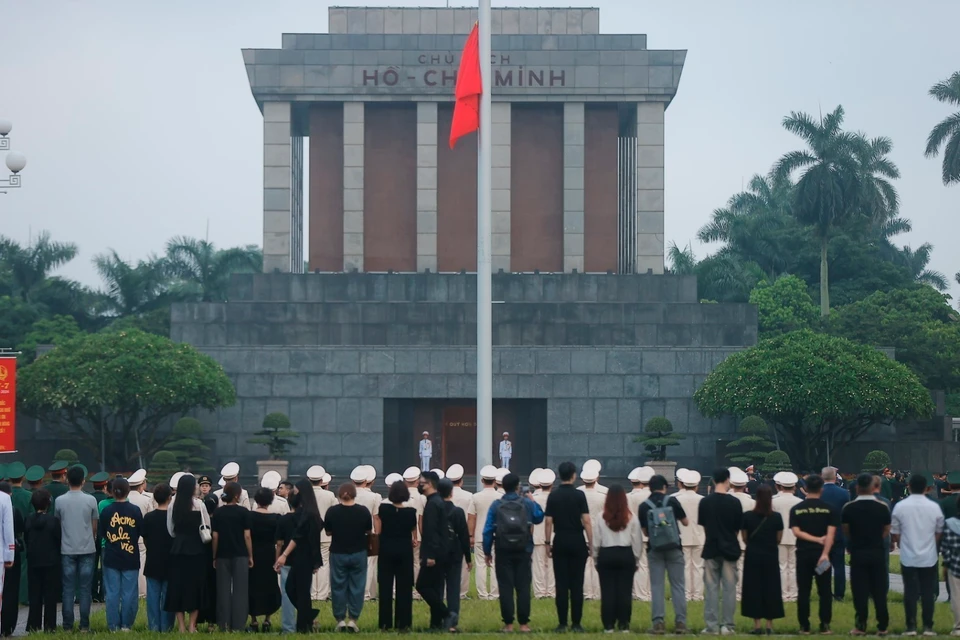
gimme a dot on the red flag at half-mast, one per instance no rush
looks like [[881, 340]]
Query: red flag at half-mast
[[466, 110]]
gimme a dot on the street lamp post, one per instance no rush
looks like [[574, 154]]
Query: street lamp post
[[16, 161]]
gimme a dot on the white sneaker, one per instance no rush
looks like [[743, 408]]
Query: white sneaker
[[342, 626], [929, 633], [352, 627], [726, 631], [909, 634]]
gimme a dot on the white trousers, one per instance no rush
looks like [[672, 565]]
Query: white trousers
[[641, 580], [465, 578], [505, 462], [141, 581], [788, 572], [487, 587], [371, 591], [693, 572], [424, 463], [591, 581], [544, 585], [321, 579]]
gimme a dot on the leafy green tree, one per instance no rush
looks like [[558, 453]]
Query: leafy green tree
[[55, 330], [917, 262], [752, 443], [29, 266], [657, 435], [784, 306], [156, 322], [186, 443], [947, 133], [205, 270], [876, 461], [918, 322], [822, 392], [17, 317], [66, 455], [162, 466], [775, 462], [276, 435], [112, 391], [724, 277]]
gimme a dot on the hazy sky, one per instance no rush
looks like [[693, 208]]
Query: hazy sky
[[138, 123]]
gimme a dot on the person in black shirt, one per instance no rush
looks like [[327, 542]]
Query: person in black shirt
[[458, 549], [398, 530], [663, 563], [433, 553], [158, 542], [567, 517], [42, 539], [232, 559], [720, 515], [120, 527], [866, 525], [814, 523], [762, 529], [303, 552], [348, 524], [264, 587]]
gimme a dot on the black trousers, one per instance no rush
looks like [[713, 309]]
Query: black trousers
[[838, 559], [43, 583], [569, 567], [806, 576], [430, 585], [515, 574], [616, 566], [396, 570], [298, 590], [919, 583], [869, 579], [452, 573], [11, 598]]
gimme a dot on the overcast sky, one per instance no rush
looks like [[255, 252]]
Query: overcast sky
[[138, 123]]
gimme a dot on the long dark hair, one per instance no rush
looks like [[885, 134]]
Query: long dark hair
[[183, 503], [308, 502], [616, 511], [764, 500]]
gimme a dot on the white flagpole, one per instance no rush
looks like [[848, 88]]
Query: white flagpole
[[484, 265]]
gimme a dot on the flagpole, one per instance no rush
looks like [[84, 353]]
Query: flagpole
[[484, 264]]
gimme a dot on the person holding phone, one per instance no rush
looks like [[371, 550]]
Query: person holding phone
[[814, 523]]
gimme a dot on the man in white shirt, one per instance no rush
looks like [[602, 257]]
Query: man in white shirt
[[487, 588], [595, 501], [417, 501], [271, 480], [506, 451], [783, 502], [692, 535], [640, 479], [461, 498], [738, 489], [544, 585], [426, 451], [325, 499], [364, 476], [917, 524]]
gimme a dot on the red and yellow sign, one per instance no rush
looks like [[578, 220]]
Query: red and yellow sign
[[8, 404]]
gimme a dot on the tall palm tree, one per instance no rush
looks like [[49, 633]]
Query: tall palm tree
[[132, 289], [947, 132], [28, 267], [206, 269], [916, 262], [682, 261]]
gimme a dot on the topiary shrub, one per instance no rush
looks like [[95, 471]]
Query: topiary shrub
[[186, 444], [163, 465], [876, 461], [276, 435], [657, 436], [776, 461], [67, 455], [753, 444]]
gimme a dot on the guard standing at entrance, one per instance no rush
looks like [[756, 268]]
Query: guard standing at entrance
[[506, 451], [426, 452]]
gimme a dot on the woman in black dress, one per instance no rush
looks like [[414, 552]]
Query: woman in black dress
[[303, 554], [398, 525], [208, 610], [761, 531], [264, 588], [186, 591]]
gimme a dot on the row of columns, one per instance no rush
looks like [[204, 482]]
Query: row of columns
[[283, 208]]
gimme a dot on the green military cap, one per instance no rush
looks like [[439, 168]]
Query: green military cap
[[16, 470], [85, 472], [58, 465], [34, 474], [100, 477], [953, 478]]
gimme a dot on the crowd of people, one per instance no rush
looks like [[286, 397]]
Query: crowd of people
[[229, 560]]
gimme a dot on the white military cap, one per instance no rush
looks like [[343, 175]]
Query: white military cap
[[590, 474], [738, 477], [646, 473], [501, 474], [222, 482], [175, 478], [689, 477], [270, 480], [535, 477], [547, 477], [137, 477], [411, 474], [326, 479], [455, 472], [371, 473], [489, 472], [439, 472], [392, 478], [230, 470], [359, 474], [425, 433], [505, 433], [634, 476], [786, 479], [592, 464], [315, 473]]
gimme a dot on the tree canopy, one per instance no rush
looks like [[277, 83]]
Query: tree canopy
[[784, 306], [753, 442]]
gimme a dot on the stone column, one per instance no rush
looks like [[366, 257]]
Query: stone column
[[296, 205], [500, 181], [426, 186], [352, 186], [650, 187], [276, 186], [573, 140]]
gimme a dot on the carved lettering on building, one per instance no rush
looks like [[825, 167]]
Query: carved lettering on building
[[515, 77]]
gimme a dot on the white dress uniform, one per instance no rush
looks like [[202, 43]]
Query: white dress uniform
[[641, 579], [325, 500], [595, 501], [692, 536], [426, 452], [371, 501], [487, 588], [783, 502], [462, 498], [544, 583], [271, 481], [506, 453], [748, 504]]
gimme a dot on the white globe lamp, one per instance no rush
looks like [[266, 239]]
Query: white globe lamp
[[16, 161], [5, 127]]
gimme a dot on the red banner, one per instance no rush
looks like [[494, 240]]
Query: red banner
[[8, 405]]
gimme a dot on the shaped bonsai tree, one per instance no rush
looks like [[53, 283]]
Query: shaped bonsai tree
[[753, 444], [67, 455], [776, 461], [276, 435], [657, 436], [876, 461], [187, 446], [163, 465]]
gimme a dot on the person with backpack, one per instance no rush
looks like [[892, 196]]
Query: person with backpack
[[659, 518], [433, 553], [509, 526], [458, 549]]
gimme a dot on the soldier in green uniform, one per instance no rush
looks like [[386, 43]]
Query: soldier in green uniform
[[34, 478], [20, 498], [57, 485], [948, 503], [99, 481]]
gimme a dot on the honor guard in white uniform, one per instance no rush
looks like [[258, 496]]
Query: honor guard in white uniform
[[501, 474], [411, 476], [640, 479], [783, 502], [325, 500], [487, 587], [595, 501], [230, 473], [426, 451], [271, 480], [364, 476], [506, 451], [461, 498], [534, 487], [544, 585], [738, 486], [138, 482], [175, 480], [692, 536]]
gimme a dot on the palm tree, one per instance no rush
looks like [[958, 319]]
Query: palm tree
[[948, 130], [28, 267], [682, 261], [916, 262], [207, 270], [132, 289]]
